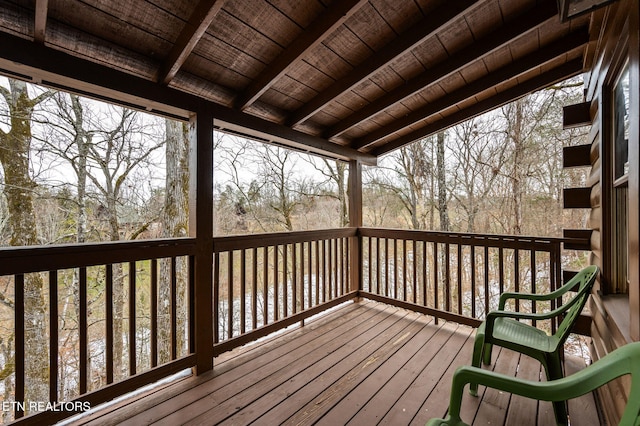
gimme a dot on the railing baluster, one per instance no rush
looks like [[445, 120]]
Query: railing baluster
[[317, 258], [333, 267], [425, 296], [154, 312], [310, 274], [132, 318], [174, 307], [516, 276], [83, 329], [192, 311], [324, 271], [486, 280], [19, 342], [265, 282], [53, 336], [501, 269], [243, 290], [473, 280], [459, 273], [447, 276], [533, 283], [276, 284], [294, 277], [254, 300], [435, 276], [216, 297], [230, 306], [415, 271], [378, 268], [404, 270], [395, 268], [109, 320], [285, 280]]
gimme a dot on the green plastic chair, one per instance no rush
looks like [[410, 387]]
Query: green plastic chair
[[502, 328], [623, 361]]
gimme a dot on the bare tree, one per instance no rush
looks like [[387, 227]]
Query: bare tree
[[175, 222], [15, 150]]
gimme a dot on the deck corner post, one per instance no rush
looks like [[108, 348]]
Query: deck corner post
[[355, 221], [201, 227]]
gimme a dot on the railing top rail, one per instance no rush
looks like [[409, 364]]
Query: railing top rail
[[26, 259], [490, 240], [240, 242]]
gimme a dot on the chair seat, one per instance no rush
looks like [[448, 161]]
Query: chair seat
[[522, 334]]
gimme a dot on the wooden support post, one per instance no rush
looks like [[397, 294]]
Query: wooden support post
[[201, 227], [355, 221]]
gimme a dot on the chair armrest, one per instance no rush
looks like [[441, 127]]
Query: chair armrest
[[584, 381], [529, 296]]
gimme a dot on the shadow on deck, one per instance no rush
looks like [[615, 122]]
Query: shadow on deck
[[363, 363]]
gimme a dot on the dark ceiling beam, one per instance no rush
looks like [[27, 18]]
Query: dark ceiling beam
[[519, 27], [562, 72], [328, 21], [405, 42], [573, 41], [194, 29], [40, 25], [54, 68]]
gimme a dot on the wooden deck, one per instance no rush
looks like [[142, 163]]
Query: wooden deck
[[364, 363]]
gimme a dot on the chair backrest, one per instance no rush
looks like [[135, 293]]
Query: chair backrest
[[624, 360], [584, 280]]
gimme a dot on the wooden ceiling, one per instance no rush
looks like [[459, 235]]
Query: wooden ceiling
[[348, 77]]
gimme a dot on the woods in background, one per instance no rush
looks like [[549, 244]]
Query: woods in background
[[79, 171]]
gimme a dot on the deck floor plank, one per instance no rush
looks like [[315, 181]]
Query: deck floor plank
[[413, 391], [364, 363], [437, 402], [392, 377], [268, 390], [316, 397]]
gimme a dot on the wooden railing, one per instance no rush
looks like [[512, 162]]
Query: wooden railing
[[261, 284], [95, 342], [266, 282], [456, 276]]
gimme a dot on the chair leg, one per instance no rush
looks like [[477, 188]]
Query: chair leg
[[478, 345], [555, 371], [488, 347]]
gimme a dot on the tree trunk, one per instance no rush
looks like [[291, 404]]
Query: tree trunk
[[442, 185], [174, 221], [18, 189], [517, 177]]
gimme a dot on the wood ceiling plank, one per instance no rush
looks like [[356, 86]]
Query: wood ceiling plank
[[327, 22], [327, 62], [484, 20], [496, 41], [371, 28], [405, 42], [456, 36], [563, 72], [16, 19], [206, 69], [302, 13], [202, 16], [399, 16], [227, 30], [134, 25], [266, 19], [534, 60], [347, 45]]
